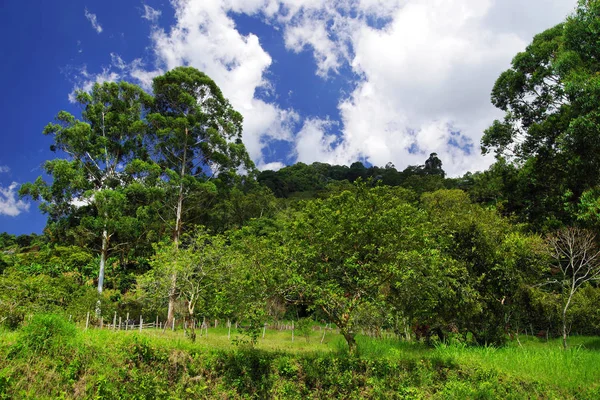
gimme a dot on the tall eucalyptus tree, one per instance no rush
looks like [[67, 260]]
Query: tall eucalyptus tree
[[96, 151], [198, 138]]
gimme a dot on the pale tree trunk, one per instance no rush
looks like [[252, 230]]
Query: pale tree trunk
[[173, 288], [105, 237], [103, 254], [176, 235], [564, 317], [191, 305]]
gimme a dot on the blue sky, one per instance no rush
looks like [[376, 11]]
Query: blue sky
[[332, 81]]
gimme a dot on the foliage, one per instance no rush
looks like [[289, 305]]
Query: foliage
[[124, 365], [202, 269], [22, 294], [350, 249], [496, 261], [45, 334], [550, 99]]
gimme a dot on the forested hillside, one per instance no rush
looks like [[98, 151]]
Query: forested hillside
[[155, 209]]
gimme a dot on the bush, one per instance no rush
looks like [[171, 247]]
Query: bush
[[45, 334]]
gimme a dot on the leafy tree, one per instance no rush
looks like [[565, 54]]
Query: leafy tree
[[551, 98], [202, 269], [110, 135], [238, 205], [197, 139], [344, 252], [498, 262], [433, 165]]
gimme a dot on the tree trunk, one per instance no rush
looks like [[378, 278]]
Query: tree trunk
[[350, 340], [172, 298], [564, 316], [103, 255], [176, 236], [192, 325], [564, 324]]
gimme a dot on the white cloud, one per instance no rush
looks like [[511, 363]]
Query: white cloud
[[314, 142], [205, 37], [151, 14], [425, 68], [428, 75], [94, 21], [116, 61], [10, 205], [4, 168], [273, 166], [142, 76], [425, 77], [85, 80]]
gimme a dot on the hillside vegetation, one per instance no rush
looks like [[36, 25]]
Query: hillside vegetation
[[156, 213], [72, 363]]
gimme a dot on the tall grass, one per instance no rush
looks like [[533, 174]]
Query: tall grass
[[533, 360], [157, 364]]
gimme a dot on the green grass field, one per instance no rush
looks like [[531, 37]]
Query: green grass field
[[43, 361]]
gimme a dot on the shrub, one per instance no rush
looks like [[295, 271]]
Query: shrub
[[47, 334]]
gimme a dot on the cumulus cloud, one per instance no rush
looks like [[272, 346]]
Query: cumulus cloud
[[315, 141], [151, 14], [426, 73], [10, 205], [205, 37], [4, 168], [273, 166], [93, 20], [425, 69]]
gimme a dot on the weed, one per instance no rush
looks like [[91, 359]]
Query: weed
[[45, 334]]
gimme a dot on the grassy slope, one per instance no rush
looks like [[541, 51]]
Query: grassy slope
[[105, 364]]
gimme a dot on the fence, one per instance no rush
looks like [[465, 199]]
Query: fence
[[128, 324]]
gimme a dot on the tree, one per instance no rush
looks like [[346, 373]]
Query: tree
[[202, 266], [110, 135], [551, 99], [197, 139], [433, 166], [496, 259], [346, 252], [578, 259]]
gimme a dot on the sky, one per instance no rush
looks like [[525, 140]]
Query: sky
[[333, 81]]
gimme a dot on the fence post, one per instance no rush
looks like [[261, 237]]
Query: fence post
[[127, 322], [119, 323], [101, 322], [264, 329], [156, 324], [324, 330], [87, 321], [141, 323], [115, 322]]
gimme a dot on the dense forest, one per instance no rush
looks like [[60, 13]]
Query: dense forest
[[155, 208]]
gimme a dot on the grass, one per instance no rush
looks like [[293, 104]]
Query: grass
[[535, 360], [156, 364]]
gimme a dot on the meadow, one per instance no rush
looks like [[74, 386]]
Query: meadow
[[51, 358]]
